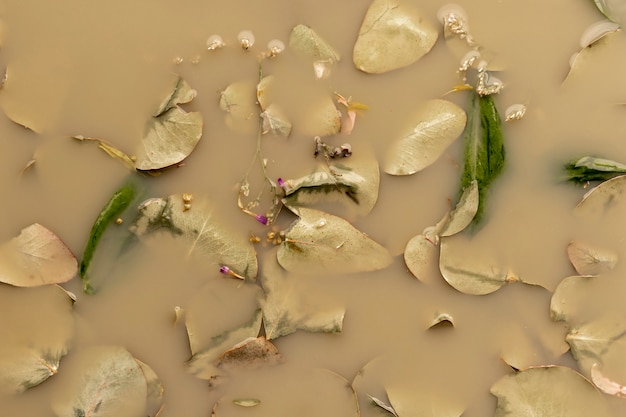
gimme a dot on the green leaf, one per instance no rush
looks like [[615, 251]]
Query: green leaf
[[36, 257], [437, 123], [320, 242], [353, 183], [199, 230], [590, 168], [484, 148], [292, 302], [307, 42], [37, 327], [118, 202], [393, 35], [548, 391], [107, 381]]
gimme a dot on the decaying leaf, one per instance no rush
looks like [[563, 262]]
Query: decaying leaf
[[275, 121], [352, 182], [383, 405], [603, 198], [36, 257], [249, 353], [286, 391], [291, 303], [436, 124], [442, 320], [198, 228], [107, 381], [238, 101], [320, 242], [181, 93], [591, 168], [393, 35], [605, 384], [37, 327], [306, 41], [110, 150], [155, 390], [548, 391], [588, 260], [469, 272], [420, 253]]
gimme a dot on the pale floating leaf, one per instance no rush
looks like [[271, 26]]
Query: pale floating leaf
[[199, 230], [181, 93], [108, 381], [605, 384], [275, 121], [205, 363], [588, 260], [246, 402], [393, 35], [291, 304], [420, 253], [36, 257], [352, 182], [612, 9], [442, 320], [110, 150], [169, 139], [597, 31], [321, 242], [249, 353], [37, 327], [600, 37], [287, 390], [600, 341], [306, 41], [603, 198], [383, 405], [155, 390], [568, 297], [467, 272], [547, 392], [238, 101], [437, 123], [323, 118], [464, 212]]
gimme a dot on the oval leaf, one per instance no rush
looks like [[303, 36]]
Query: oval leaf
[[36, 257], [437, 124], [420, 253], [37, 327], [606, 196], [199, 230], [392, 35], [547, 392], [320, 242], [590, 261], [107, 381]]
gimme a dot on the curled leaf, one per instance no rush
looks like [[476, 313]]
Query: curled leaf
[[393, 35], [437, 123], [321, 242], [36, 257]]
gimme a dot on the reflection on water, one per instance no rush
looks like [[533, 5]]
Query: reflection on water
[[101, 69]]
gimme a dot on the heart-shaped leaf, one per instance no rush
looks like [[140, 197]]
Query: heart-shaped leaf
[[548, 391], [321, 242], [392, 35], [37, 327], [36, 257], [199, 230], [436, 124]]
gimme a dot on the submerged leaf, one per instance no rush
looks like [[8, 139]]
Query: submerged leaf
[[36, 257], [484, 148], [238, 101], [110, 150], [605, 384], [590, 261], [291, 304], [548, 391], [200, 231], [321, 242], [250, 353], [393, 35], [275, 121], [589, 168], [306, 41], [108, 381], [155, 390], [437, 123], [118, 202], [603, 198], [36, 326], [352, 182], [464, 212], [323, 118]]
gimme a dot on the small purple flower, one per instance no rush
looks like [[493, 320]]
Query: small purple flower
[[224, 269], [280, 182], [261, 219]]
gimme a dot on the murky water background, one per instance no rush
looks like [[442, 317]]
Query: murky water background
[[100, 68]]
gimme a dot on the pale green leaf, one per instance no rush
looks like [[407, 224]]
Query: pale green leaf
[[107, 381], [393, 35], [293, 303], [36, 257], [435, 125], [351, 182], [588, 260], [181, 93], [548, 391], [420, 253], [307, 42], [199, 230], [37, 327], [320, 242]]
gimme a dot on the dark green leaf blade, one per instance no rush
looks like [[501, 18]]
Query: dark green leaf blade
[[591, 168]]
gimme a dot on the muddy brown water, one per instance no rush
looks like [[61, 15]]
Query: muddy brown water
[[99, 68]]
